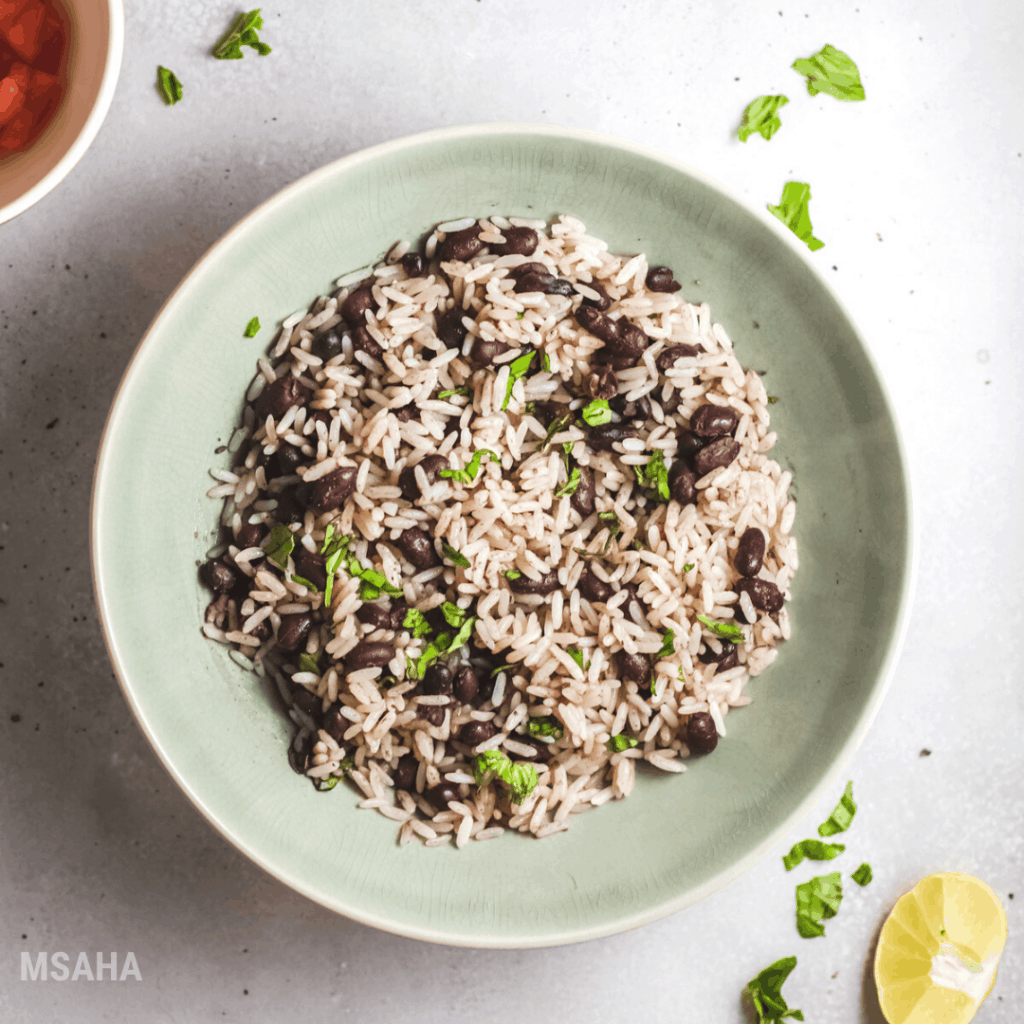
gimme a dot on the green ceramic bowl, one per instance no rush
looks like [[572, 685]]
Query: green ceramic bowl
[[676, 839]]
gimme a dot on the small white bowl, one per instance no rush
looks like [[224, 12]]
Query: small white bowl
[[95, 38]]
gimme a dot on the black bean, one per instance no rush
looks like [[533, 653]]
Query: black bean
[[660, 279], [335, 723], [603, 383], [294, 630], [353, 309], [473, 733], [719, 453], [374, 615], [331, 491], [547, 584], [602, 438], [629, 344], [438, 679], [667, 358], [450, 328], [327, 344], [526, 270], [412, 264], [582, 500], [485, 351], [261, 630], [363, 341], [305, 701], [602, 302], [432, 713], [285, 461], [404, 774], [592, 587], [599, 324], [369, 654], [442, 794], [544, 282], [634, 668], [289, 508], [417, 547], [688, 444], [638, 410], [217, 576], [300, 759], [701, 734], [277, 398], [467, 684], [763, 594], [519, 241], [310, 566], [399, 610], [249, 535], [432, 466], [406, 413], [547, 412], [714, 421], [727, 658], [682, 483], [460, 245], [541, 750], [750, 552]]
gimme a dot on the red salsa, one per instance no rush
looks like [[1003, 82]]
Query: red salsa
[[32, 41]]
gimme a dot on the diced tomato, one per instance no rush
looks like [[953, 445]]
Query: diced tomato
[[51, 47], [14, 91], [22, 24]]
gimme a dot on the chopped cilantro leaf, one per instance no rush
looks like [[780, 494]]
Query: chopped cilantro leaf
[[519, 316], [170, 88], [668, 645], [517, 369], [502, 668], [434, 649], [862, 876], [556, 426], [511, 574], [306, 583], [453, 614], [309, 663], [613, 523], [621, 742], [519, 778], [812, 849], [242, 33], [337, 554], [772, 399], [282, 543], [817, 901], [326, 785], [831, 71], [416, 621], [463, 391], [726, 630], [596, 413], [792, 211], [454, 556], [569, 488], [654, 475], [473, 467], [762, 117], [841, 817], [546, 726], [252, 328], [545, 362], [765, 992], [465, 632], [688, 566], [577, 655]]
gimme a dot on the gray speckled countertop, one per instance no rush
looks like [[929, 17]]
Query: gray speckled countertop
[[917, 194]]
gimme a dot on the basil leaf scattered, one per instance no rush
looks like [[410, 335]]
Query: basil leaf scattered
[[519, 778], [792, 211], [282, 543], [596, 413], [654, 476], [309, 663], [840, 818], [168, 84], [762, 117], [242, 33], [668, 645], [547, 726], [453, 556], [517, 369], [473, 467], [817, 901], [463, 391], [252, 328], [726, 630], [621, 742], [453, 614], [862, 876], [569, 488], [765, 992], [812, 849], [416, 621], [831, 71], [306, 583]]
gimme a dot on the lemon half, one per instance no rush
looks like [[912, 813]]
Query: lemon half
[[938, 951]]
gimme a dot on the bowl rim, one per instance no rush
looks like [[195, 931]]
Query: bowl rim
[[817, 792], [84, 139]]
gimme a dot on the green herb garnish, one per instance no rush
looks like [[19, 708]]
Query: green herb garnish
[[337, 554], [765, 992], [434, 649], [817, 901], [511, 574], [306, 583], [831, 71], [840, 818], [762, 116], [282, 543], [472, 470], [812, 849], [569, 488], [502, 668], [772, 399], [242, 33], [596, 413], [517, 369], [453, 614], [668, 645], [463, 391], [862, 876], [168, 84], [547, 726], [453, 556], [252, 328], [614, 526], [726, 630], [326, 785], [653, 476], [577, 655], [464, 633], [556, 426], [792, 211], [545, 362], [417, 622], [688, 566], [621, 742], [309, 663], [520, 778]]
